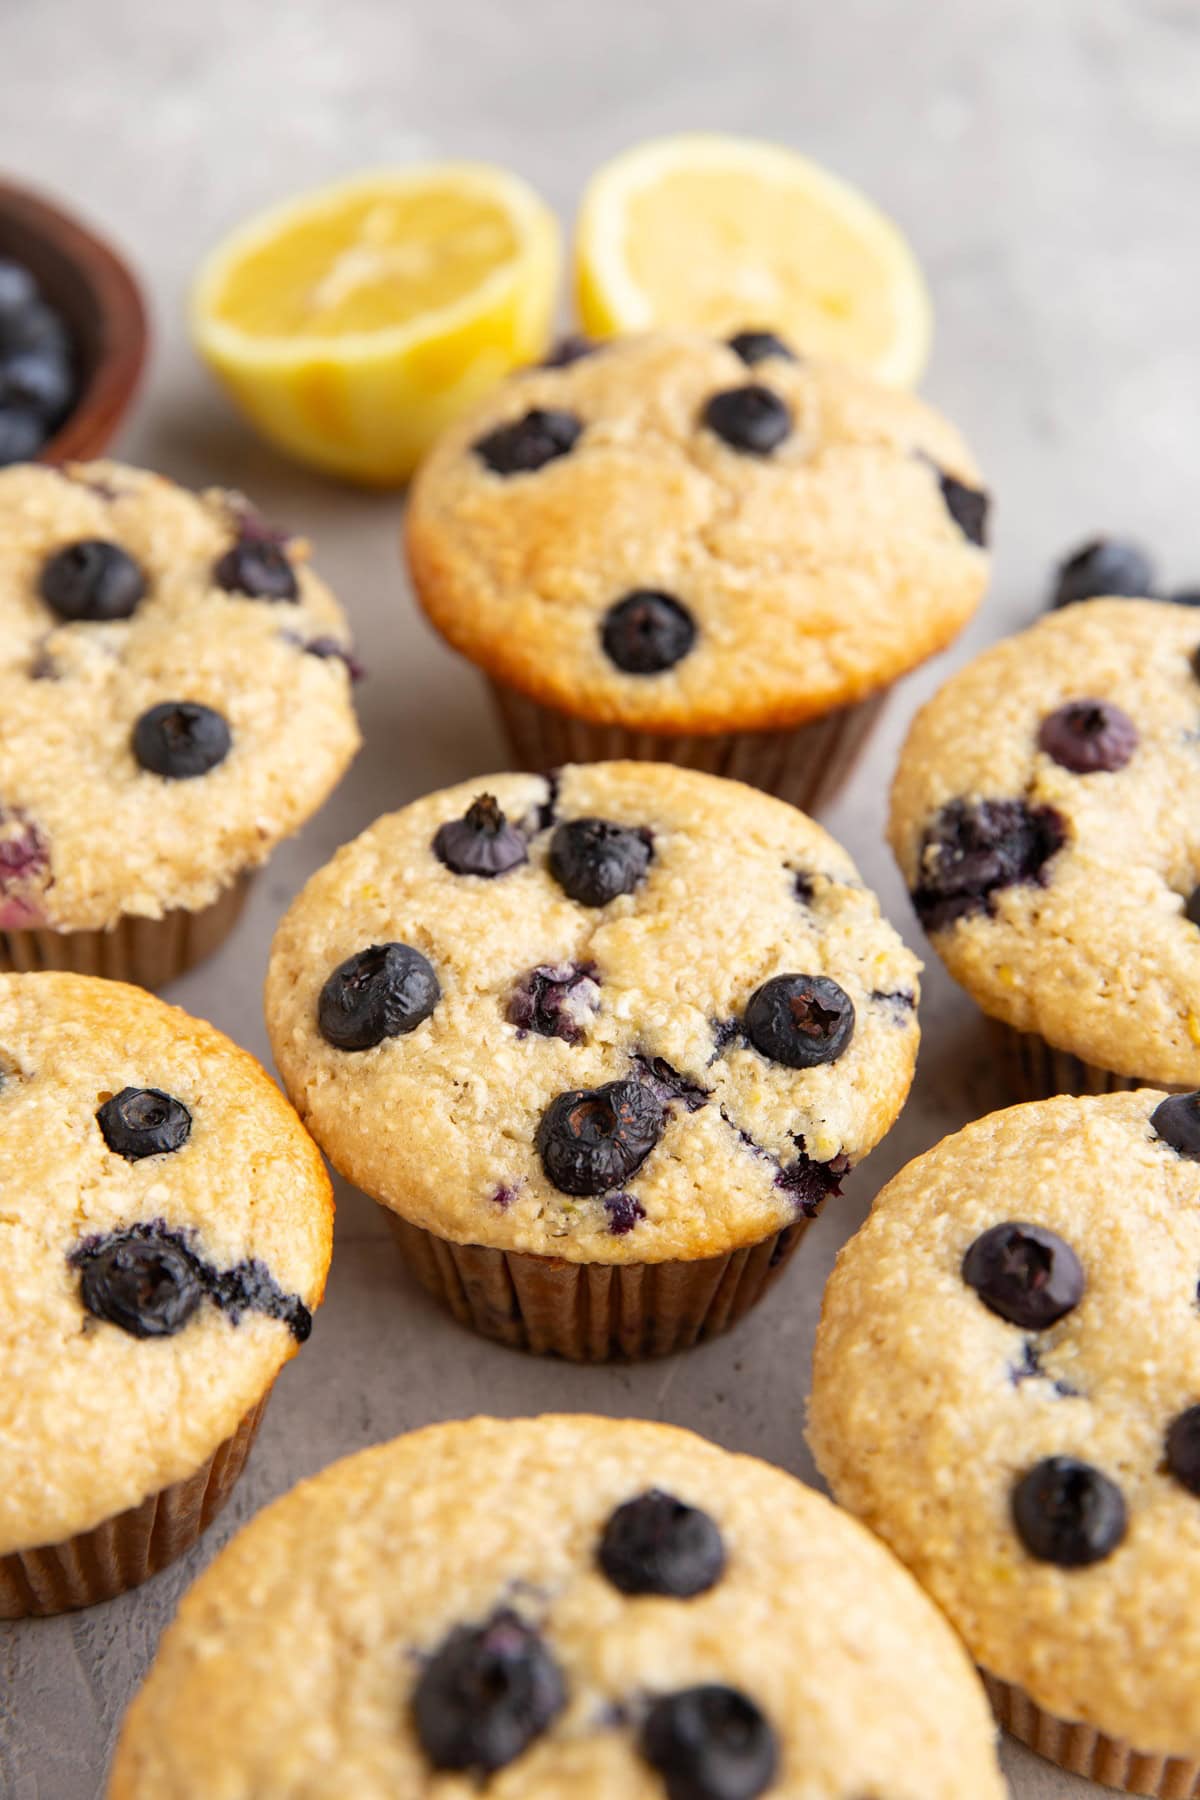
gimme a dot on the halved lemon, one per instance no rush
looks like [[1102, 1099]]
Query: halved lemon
[[352, 324], [728, 234]]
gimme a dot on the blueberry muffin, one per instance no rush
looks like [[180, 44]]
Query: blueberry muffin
[[681, 550], [601, 1043], [167, 1227], [1042, 817], [583, 1606], [1007, 1389], [175, 689]]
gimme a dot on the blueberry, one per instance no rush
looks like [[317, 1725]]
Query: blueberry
[[968, 507], [624, 1212], [647, 632], [91, 580], [530, 443], [591, 1140], [1176, 1120], [34, 327], [1027, 1275], [1088, 737], [1067, 1512], [482, 842], [555, 1000], [594, 861], [329, 649], [670, 1085], [1183, 1449], [1185, 597], [250, 1287], [383, 992], [800, 1020], [258, 568], [710, 1743], [24, 851], [811, 1183], [181, 739], [38, 379], [140, 1122], [1191, 908], [145, 1284], [973, 848], [570, 349], [752, 419], [22, 434], [656, 1544], [1104, 566], [486, 1694], [18, 289], [757, 346]]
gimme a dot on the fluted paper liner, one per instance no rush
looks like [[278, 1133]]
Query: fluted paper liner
[[127, 1549], [1035, 1070], [594, 1312], [147, 952], [1083, 1750], [806, 765]]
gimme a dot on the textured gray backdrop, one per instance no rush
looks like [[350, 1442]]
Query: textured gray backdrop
[[1043, 158]]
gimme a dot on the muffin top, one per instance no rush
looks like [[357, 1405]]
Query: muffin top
[[1014, 1335], [167, 1226], [1044, 818], [628, 1013], [667, 534], [565, 1605], [174, 688]]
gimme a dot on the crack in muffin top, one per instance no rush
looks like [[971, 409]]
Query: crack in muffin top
[[563, 1057], [1015, 1334], [677, 564], [531, 1604], [164, 726], [165, 1230], [1046, 817]]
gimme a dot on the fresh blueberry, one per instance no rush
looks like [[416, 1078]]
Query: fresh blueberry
[[486, 1694], [1067, 1512], [1088, 737], [1027, 1275], [39, 380], [973, 848], [968, 507], [594, 861], [1183, 1449], [383, 992], [92, 580], [181, 739], [140, 1122], [757, 346], [752, 419], [800, 1020], [140, 1281], [591, 1140], [22, 434], [482, 842], [656, 1544], [647, 632], [1176, 1120], [1104, 566], [530, 443], [258, 568], [710, 1743], [18, 289]]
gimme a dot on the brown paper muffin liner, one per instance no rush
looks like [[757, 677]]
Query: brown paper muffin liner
[[593, 1312], [127, 1549], [1085, 1751], [147, 952], [806, 765], [1035, 1070]]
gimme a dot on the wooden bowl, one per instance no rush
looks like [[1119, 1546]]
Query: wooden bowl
[[95, 293]]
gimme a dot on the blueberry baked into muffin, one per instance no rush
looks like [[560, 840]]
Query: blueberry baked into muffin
[[166, 1225], [175, 688], [681, 550], [1007, 1389], [601, 1043], [1046, 818], [551, 1607]]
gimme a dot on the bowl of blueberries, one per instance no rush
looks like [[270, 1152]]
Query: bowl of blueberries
[[73, 334]]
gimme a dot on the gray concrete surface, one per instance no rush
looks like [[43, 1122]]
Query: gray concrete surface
[[1043, 158]]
